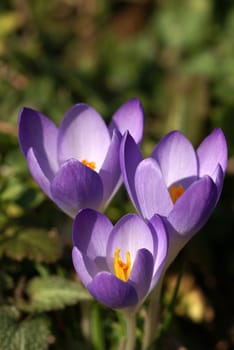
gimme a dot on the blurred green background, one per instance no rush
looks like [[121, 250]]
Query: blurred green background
[[177, 57]]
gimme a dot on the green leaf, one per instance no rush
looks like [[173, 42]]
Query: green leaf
[[52, 293], [10, 21], [12, 189], [34, 244], [31, 334], [182, 26], [204, 63]]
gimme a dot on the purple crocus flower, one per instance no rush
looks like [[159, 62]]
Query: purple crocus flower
[[177, 182], [77, 164], [118, 264]]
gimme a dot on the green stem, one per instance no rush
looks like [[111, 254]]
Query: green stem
[[172, 304], [86, 321], [130, 320], [155, 330], [97, 328], [152, 321]]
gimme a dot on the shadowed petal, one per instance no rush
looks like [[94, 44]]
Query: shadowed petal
[[152, 193], [36, 170], [76, 186], [176, 158], [141, 274], [91, 231], [211, 152], [161, 243], [80, 267], [130, 233], [189, 214], [110, 171], [130, 157], [38, 132], [86, 267], [218, 178], [83, 135], [193, 208], [130, 116], [112, 292], [90, 234]]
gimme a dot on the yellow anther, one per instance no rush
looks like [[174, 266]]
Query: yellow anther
[[122, 270], [176, 192], [91, 165]]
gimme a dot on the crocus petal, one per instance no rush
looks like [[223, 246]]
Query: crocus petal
[[189, 214], [152, 193], [211, 152], [110, 171], [39, 133], [76, 186], [36, 170], [112, 292], [91, 231], [161, 243], [176, 157], [90, 234], [130, 233], [129, 116], [141, 274], [80, 266], [83, 135], [130, 157], [193, 208], [86, 267], [218, 178]]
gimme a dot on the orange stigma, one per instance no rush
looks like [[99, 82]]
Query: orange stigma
[[176, 192], [122, 270], [91, 165]]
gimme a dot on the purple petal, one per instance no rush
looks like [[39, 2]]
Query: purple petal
[[83, 135], [37, 172], [218, 177], [110, 171], [130, 116], [130, 233], [141, 274], [152, 193], [192, 209], [112, 292], [161, 246], [76, 186], [91, 231], [176, 157], [39, 133], [90, 234], [211, 152], [190, 213], [83, 270], [130, 157]]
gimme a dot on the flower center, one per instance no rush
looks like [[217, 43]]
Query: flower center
[[176, 192], [122, 270], [91, 165]]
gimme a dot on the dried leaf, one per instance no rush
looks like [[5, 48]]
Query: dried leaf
[[34, 244]]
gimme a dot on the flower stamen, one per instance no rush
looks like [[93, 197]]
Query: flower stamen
[[91, 165], [122, 270], [176, 192]]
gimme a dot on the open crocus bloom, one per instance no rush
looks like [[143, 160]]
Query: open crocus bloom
[[177, 182], [77, 164], [118, 264]]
